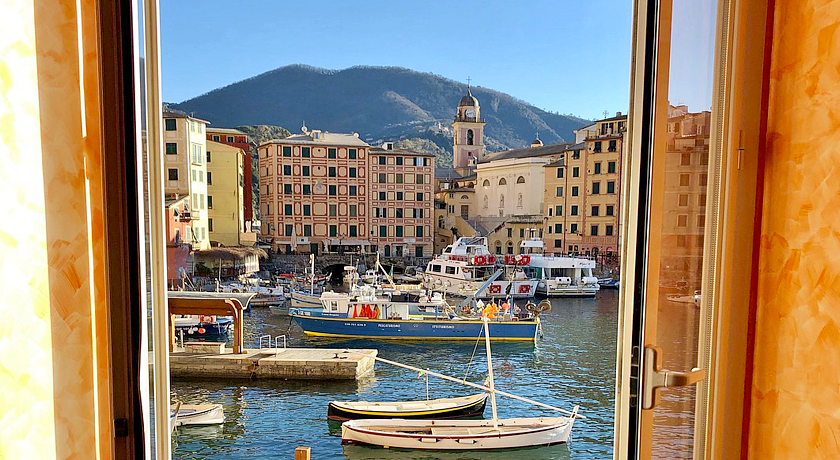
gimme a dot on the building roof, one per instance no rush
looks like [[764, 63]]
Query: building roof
[[443, 173], [381, 151], [174, 198], [560, 162], [529, 152], [169, 112], [468, 100], [225, 131], [618, 116], [327, 138]]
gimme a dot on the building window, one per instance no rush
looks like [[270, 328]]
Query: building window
[[333, 230], [419, 179], [173, 173], [398, 213], [558, 228], [383, 178], [400, 196], [502, 181], [558, 210], [333, 210], [681, 242], [287, 170], [418, 213], [287, 209], [287, 151], [682, 220], [510, 233], [209, 177], [333, 190], [576, 172], [701, 220], [382, 160], [399, 161], [351, 154], [574, 210], [558, 244], [419, 196], [470, 137], [353, 190], [573, 228], [596, 210], [683, 200], [611, 167], [418, 251], [418, 232], [522, 233], [597, 147], [353, 209], [510, 247], [307, 230], [703, 179], [287, 189], [593, 230], [685, 180], [171, 148], [307, 189], [701, 200], [486, 183], [612, 146], [598, 168], [383, 231], [354, 230], [171, 124], [305, 170], [331, 153], [216, 138], [399, 178], [520, 180], [209, 201], [609, 230], [575, 190], [307, 210], [610, 209], [210, 224], [306, 152], [351, 172], [331, 171], [596, 188], [611, 187], [685, 159], [290, 229], [382, 196], [560, 173]]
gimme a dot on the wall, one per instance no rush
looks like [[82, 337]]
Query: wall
[[225, 165], [519, 199], [796, 384], [55, 362]]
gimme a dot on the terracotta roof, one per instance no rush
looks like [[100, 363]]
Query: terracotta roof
[[327, 138]]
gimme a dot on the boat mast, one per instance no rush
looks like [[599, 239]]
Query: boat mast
[[312, 274], [490, 372]]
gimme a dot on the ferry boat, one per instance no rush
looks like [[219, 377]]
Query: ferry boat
[[557, 276], [364, 314], [466, 264]]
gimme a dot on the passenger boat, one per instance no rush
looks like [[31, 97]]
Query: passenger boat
[[438, 434], [198, 414], [364, 313], [557, 276], [466, 264], [441, 408]]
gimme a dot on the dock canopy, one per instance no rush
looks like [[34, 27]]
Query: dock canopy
[[210, 303]]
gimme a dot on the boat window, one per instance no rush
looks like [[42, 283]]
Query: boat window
[[447, 250], [334, 305], [450, 270], [436, 268]]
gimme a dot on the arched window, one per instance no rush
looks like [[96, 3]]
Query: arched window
[[471, 185], [486, 183], [502, 181], [498, 247], [465, 197], [470, 136], [520, 180]]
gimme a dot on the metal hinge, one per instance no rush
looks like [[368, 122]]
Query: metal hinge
[[120, 428], [654, 378]]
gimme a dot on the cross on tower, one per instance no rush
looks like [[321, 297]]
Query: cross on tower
[[468, 81]]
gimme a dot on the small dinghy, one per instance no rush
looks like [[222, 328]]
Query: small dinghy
[[198, 414], [443, 408]]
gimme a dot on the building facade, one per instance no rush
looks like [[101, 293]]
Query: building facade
[[330, 192], [185, 168], [178, 238], [225, 196], [237, 138], [468, 132]]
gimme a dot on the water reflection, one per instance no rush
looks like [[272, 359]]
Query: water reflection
[[573, 364]]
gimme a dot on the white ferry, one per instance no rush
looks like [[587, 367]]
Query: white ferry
[[557, 276], [466, 264]]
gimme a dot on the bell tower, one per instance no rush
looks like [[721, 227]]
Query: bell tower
[[468, 128]]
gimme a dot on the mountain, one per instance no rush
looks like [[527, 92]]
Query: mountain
[[380, 103]]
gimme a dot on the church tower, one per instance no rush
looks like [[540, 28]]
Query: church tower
[[468, 127]]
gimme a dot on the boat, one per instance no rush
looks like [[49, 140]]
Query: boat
[[202, 326], [265, 295], [609, 283], [443, 408], [365, 313], [312, 298], [439, 434], [557, 276], [463, 267], [197, 414]]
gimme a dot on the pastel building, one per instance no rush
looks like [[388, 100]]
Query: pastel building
[[225, 196], [185, 168], [237, 138]]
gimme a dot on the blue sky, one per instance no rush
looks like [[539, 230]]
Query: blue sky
[[560, 55]]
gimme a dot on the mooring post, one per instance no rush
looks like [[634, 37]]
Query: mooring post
[[302, 453]]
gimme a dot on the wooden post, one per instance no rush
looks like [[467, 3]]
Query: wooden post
[[302, 453]]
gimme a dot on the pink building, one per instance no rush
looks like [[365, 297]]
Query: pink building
[[178, 237]]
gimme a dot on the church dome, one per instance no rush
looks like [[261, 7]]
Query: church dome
[[468, 100], [537, 142]]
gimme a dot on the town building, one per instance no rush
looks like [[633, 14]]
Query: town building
[[178, 238], [468, 132], [225, 196], [237, 138], [185, 168], [455, 206], [333, 192]]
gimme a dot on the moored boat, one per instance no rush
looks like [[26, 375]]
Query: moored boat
[[441, 408], [558, 276], [198, 414]]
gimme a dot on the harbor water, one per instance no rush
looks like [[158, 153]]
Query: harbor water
[[574, 363]]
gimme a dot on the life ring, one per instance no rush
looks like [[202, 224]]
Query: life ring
[[525, 260], [206, 319], [491, 259], [479, 260], [375, 312], [354, 311], [524, 288]]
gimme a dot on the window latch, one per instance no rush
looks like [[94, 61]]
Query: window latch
[[654, 378]]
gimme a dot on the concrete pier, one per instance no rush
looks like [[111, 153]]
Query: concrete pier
[[271, 363]]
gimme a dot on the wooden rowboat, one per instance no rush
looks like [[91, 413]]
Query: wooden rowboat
[[442, 408], [459, 434], [198, 414]]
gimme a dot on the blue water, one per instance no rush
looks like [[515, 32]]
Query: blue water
[[574, 363]]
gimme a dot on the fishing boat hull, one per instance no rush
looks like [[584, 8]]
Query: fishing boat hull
[[305, 300], [458, 434], [314, 324], [199, 414], [552, 288], [516, 289], [443, 408]]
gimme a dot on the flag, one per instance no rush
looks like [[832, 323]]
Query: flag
[[421, 374], [487, 381]]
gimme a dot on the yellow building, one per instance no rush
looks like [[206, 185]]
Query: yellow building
[[225, 195], [455, 207], [185, 168]]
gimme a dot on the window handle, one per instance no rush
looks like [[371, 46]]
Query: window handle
[[654, 378]]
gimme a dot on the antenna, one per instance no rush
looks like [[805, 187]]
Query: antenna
[[606, 113]]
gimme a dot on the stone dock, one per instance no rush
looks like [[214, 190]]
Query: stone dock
[[203, 359]]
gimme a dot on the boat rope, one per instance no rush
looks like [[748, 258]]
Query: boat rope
[[477, 339], [470, 384]]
